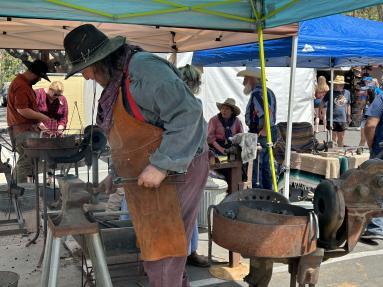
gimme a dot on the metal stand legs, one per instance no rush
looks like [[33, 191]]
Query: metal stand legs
[[97, 257], [51, 261]]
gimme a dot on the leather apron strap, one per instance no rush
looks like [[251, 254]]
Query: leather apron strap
[[155, 213]]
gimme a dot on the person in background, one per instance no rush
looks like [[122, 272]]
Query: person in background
[[374, 126], [362, 103], [23, 115], [374, 136], [320, 91], [223, 126], [52, 103], [255, 120], [192, 78], [341, 110], [371, 89]]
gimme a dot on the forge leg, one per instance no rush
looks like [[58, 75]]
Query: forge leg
[[47, 260], [260, 273], [293, 270], [55, 262], [308, 267], [97, 255]]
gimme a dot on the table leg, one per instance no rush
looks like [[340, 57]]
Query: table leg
[[234, 180]]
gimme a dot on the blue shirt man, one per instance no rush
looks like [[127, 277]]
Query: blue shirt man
[[255, 120], [374, 125], [374, 136]]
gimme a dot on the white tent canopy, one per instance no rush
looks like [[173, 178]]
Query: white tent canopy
[[49, 34]]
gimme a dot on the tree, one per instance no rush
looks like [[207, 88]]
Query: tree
[[9, 67], [372, 13]]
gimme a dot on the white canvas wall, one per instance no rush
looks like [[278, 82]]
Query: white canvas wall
[[221, 83]]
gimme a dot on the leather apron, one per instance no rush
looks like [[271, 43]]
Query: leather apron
[[155, 213]]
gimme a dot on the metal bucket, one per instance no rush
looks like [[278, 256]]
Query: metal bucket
[[214, 192], [9, 279]]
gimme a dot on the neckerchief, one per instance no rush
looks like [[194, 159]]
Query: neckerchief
[[109, 94], [227, 124]]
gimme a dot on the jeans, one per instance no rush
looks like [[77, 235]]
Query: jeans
[[265, 179], [193, 245], [124, 207], [376, 226]]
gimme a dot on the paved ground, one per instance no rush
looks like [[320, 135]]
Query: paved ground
[[360, 268]]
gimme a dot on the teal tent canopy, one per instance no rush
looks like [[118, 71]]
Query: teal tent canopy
[[234, 15]]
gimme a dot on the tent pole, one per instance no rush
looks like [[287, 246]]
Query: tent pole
[[331, 103], [289, 131], [266, 106]]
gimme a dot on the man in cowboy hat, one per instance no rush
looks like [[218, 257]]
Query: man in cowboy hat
[[157, 134], [255, 120], [22, 113], [341, 110]]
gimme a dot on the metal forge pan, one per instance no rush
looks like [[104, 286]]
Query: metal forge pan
[[264, 229], [51, 148]]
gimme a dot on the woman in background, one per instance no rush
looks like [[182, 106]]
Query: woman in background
[[223, 126], [320, 91], [52, 102]]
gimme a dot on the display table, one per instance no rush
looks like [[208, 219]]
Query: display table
[[329, 167], [326, 166]]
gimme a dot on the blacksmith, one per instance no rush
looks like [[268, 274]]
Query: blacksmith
[[157, 134]]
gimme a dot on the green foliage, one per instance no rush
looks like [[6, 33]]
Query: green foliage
[[9, 67], [371, 13]]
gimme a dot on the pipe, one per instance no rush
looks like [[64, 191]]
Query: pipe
[[331, 103], [289, 131]]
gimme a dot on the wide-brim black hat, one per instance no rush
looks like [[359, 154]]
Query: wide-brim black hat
[[86, 45], [38, 67]]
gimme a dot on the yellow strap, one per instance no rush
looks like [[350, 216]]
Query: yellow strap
[[266, 107]]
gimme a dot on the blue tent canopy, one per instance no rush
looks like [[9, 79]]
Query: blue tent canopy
[[332, 41]]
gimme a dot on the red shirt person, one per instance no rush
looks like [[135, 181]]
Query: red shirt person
[[22, 113]]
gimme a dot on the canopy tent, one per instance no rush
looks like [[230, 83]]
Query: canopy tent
[[233, 15], [332, 41]]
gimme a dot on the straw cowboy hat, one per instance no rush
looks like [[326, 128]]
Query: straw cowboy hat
[[250, 72], [86, 45], [230, 102], [339, 80]]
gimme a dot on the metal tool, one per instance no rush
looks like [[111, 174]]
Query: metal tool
[[172, 178]]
